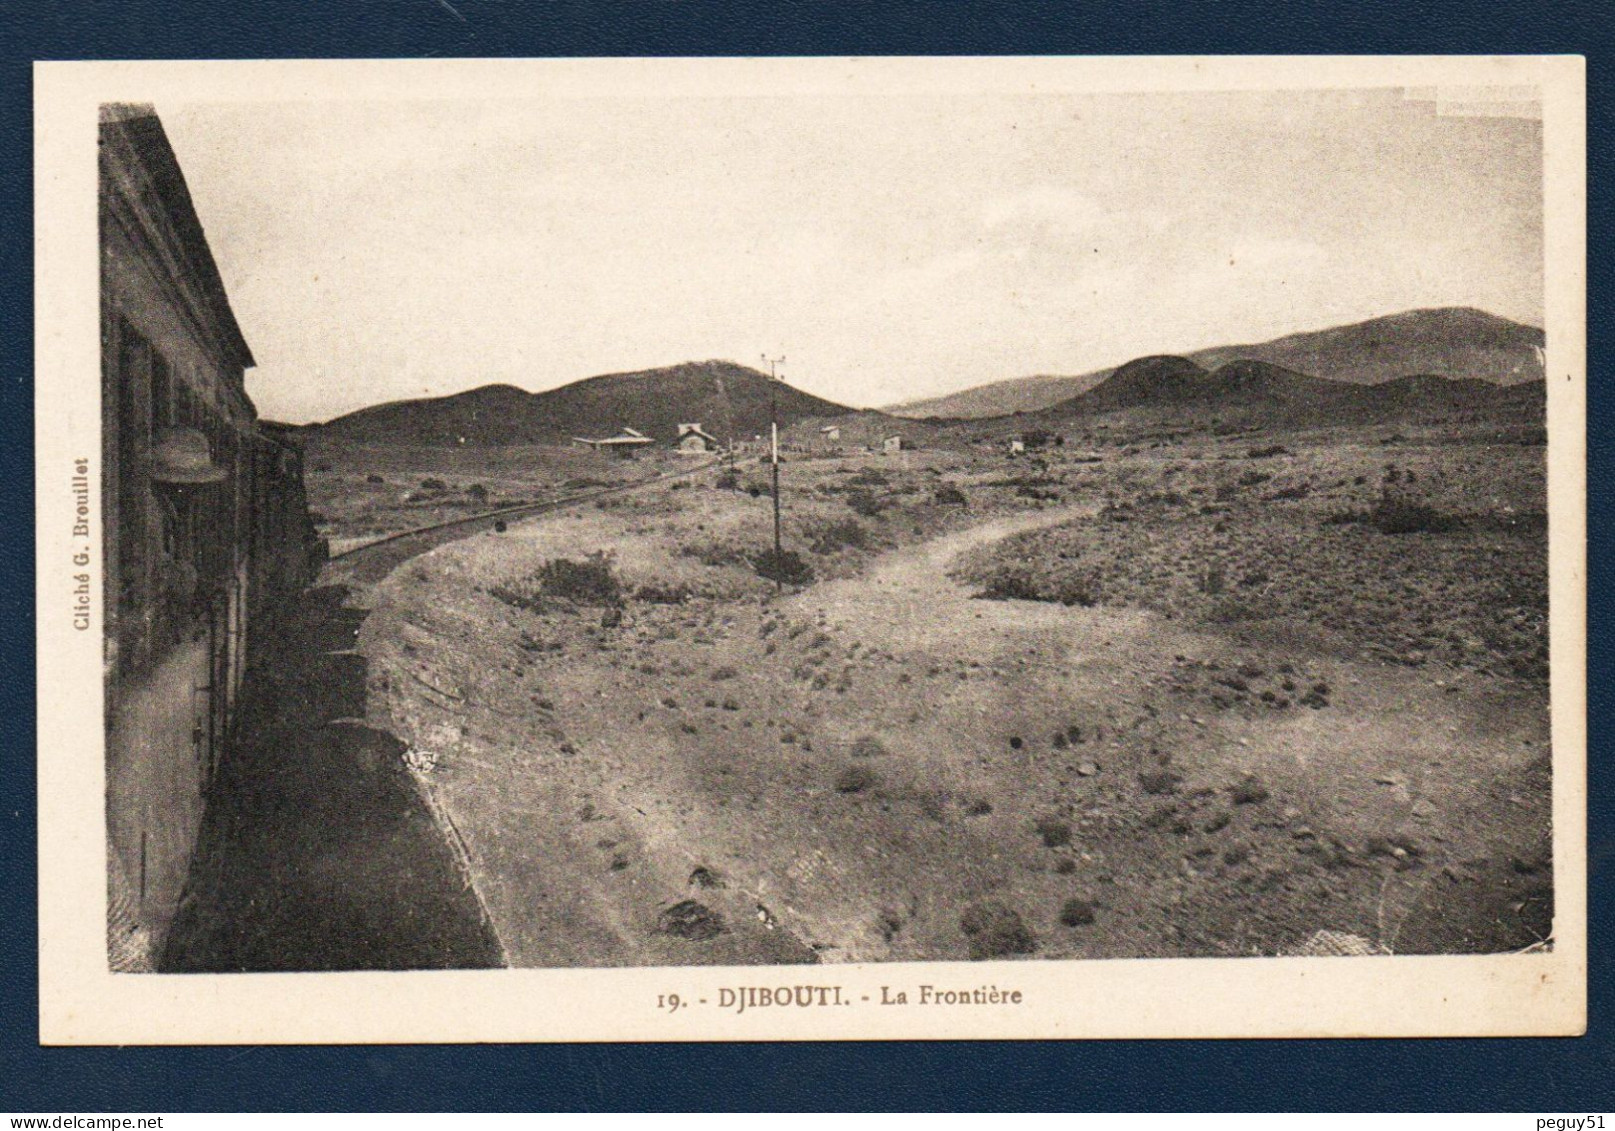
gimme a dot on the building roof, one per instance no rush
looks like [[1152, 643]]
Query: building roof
[[139, 128], [626, 436], [695, 430]]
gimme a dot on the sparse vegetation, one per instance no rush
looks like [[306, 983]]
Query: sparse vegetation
[[589, 582], [838, 535], [864, 503], [1054, 831], [786, 567], [994, 930], [856, 779]]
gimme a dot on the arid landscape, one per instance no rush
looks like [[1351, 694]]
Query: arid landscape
[[1211, 659]]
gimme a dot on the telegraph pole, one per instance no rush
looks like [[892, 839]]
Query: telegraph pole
[[773, 434]]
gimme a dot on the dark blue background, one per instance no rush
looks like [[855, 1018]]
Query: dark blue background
[[1548, 1076]]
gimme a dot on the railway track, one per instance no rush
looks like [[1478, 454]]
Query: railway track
[[372, 561]]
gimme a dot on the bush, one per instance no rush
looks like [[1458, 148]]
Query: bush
[[587, 582], [374, 479], [1268, 453], [864, 503], [1012, 585], [1076, 913], [477, 491], [1396, 515], [869, 478], [868, 747], [995, 931], [662, 594], [949, 495], [727, 481], [840, 535], [433, 485], [785, 567], [1055, 832], [856, 779], [1017, 584]]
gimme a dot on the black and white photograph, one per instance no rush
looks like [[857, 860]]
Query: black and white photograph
[[840, 550]]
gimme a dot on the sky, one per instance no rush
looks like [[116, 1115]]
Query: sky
[[889, 248]]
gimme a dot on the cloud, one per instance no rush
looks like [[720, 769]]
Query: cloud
[[1046, 207]]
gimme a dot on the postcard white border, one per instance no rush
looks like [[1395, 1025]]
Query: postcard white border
[[82, 1003]]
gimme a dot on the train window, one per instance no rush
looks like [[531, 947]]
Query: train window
[[162, 390]]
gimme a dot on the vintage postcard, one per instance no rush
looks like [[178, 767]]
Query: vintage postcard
[[710, 549]]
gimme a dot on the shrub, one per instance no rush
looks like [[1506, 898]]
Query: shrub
[[727, 480], [785, 567], [1249, 791], [1269, 452], [995, 931], [662, 594], [856, 779], [690, 920], [840, 535], [864, 503], [868, 747], [587, 582], [1011, 585], [1396, 515], [1054, 831], [433, 485], [374, 479], [949, 495], [871, 477], [1076, 913], [1083, 588]]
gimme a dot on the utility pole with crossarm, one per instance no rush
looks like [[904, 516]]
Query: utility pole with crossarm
[[773, 434]]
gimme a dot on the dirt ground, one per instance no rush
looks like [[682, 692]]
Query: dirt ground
[[881, 765]]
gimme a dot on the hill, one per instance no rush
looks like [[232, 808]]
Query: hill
[[728, 400], [1457, 342], [1177, 390], [999, 398]]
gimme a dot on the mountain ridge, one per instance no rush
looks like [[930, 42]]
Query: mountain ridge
[[729, 400], [1454, 342], [1164, 389]]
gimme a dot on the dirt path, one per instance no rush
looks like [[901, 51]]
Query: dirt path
[[874, 768]]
